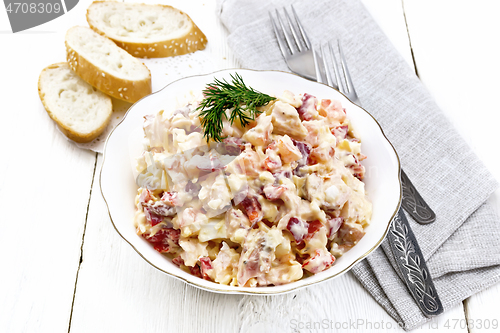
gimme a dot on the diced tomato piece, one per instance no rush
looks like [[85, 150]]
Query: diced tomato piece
[[152, 217], [308, 107], [298, 228], [162, 248], [195, 271], [253, 209], [163, 239], [163, 234], [206, 264], [313, 228], [178, 261]]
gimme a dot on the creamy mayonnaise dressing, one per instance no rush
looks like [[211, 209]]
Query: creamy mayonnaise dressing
[[279, 197]]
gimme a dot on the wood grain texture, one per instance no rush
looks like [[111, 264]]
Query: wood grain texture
[[44, 192], [45, 185], [458, 62], [118, 291], [482, 310]]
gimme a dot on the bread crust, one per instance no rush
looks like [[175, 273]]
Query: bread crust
[[68, 131], [194, 40], [127, 90]]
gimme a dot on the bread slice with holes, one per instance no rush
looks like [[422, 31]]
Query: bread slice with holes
[[81, 111], [146, 31], [101, 63]]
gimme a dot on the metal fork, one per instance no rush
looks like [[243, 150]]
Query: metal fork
[[412, 201], [294, 44], [346, 87], [302, 59], [410, 261]]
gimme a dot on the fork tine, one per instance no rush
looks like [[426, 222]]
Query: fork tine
[[348, 80], [281, 41], [319, 77], [301, 29], [335, 62], [328, 74], [288, 38], [292, 29]]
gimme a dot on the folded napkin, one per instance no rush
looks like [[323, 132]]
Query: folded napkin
[[461, 247]]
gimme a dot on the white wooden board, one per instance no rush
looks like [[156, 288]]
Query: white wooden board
[[112, 270], [456, 49], [44, 192], [46, 182]]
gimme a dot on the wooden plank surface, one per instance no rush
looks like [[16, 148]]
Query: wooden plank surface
[[132, 296], [457, 59], [482, 311], [114, 289], [45, 183], [44, 193]]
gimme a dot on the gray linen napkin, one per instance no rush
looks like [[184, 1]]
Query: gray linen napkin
[[461, 247]]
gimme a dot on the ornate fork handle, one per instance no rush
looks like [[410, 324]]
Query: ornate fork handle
[[412, 266], [410, 261], [413, 202]]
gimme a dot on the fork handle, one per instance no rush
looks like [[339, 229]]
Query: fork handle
[[414, 204], [412, 266]]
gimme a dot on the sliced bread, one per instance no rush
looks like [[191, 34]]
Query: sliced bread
[[98, 60], [81, 111], [146, 31]]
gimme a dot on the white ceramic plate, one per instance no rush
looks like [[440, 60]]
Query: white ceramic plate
[[125, 143]]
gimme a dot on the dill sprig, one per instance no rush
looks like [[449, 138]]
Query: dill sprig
[[242, 101]]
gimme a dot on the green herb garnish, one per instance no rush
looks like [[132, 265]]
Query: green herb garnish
[[220, 96]]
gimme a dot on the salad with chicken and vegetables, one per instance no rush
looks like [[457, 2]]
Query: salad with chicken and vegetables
[[245, 189]]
